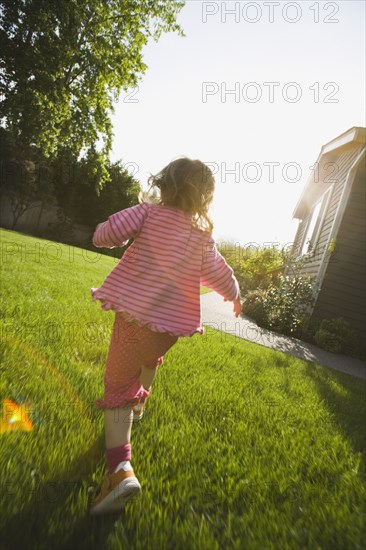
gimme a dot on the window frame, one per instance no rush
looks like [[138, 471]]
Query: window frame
[[309, 242]]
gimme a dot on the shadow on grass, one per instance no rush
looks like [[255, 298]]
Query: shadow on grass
[[58, 520], [348, 408]]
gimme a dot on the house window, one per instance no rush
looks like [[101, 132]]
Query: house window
[[314, 224]]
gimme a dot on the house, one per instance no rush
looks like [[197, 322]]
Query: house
[[331, 233]]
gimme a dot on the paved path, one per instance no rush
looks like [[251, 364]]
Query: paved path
[[218, 314]]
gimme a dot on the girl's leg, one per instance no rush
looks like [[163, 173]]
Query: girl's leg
[[129, 349], [121, 484], [117, 426], [147, 376]]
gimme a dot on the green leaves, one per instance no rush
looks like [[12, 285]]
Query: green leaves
[[61, 60], [334, 335], [284, 306]]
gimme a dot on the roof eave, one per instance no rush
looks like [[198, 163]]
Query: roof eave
[[356, 134]]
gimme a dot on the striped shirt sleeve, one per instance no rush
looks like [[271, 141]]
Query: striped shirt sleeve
[[216, 273], [120, 227]]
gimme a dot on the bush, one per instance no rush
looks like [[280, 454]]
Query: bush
[[253, 306], [287, 304], [284, 303], [254, 267], [334, 335], [328, 341], [62, 230], [284, 306]]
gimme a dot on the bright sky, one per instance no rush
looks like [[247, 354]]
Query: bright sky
[[182, 105]]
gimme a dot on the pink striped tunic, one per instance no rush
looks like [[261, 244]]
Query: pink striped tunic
[[157, 281]]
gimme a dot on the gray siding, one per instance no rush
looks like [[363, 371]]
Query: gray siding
[[342, 162], [343, 289]]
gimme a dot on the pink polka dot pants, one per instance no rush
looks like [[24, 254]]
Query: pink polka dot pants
[[131, 347]]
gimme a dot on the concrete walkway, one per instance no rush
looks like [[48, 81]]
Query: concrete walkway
[[218, 314]]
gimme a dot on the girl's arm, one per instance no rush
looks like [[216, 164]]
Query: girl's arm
[[217, 274], [120, 227]]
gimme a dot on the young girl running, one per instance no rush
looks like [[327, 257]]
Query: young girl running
[[155, 294]]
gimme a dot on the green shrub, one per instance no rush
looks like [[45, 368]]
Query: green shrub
[[284, 303], [284, 306], [328, 341], [334, 335], [61, 231], [253, 306], [254, 267], [287, 304]]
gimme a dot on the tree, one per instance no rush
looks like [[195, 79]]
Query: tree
[[75, 189], [121, 191], [62, 64]]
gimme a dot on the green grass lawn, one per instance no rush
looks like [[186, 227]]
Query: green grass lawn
[[240, 447]]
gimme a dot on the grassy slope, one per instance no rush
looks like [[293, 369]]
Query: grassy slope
[[241, 446]]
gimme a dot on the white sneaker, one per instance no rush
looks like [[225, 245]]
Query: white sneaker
[[138, 412], [118, 488]]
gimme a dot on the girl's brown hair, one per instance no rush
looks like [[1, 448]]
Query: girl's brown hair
[[186, 184]]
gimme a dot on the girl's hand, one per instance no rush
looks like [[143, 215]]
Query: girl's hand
[[237, 306]]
